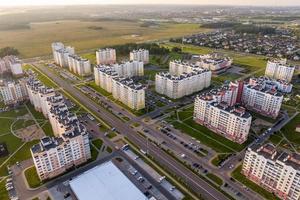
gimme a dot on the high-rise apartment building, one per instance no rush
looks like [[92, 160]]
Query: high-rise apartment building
[[141, 55], [275, 170], [79, 65], [129, 93], [14, 92], [232, 122], [70, 147], [11, 64], [122, 89], [129, 69], [177, 86], [106, 56], [262, 99], [54, 156], [279, 69], [61, 53]]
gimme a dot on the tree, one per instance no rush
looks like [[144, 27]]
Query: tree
[[6, 51]]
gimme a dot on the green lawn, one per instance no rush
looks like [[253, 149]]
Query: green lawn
[[111, 135], [108, 149], [98, 89], [289, 130], [203, 134], [90, 56], [3, 192], [32, 177], [98, 143], [47, 128], [250, 62], [21, 123], [215, 179], [237, 175], [94, 153], [219, 158]]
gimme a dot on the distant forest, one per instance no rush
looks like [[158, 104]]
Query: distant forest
[[6, 51]]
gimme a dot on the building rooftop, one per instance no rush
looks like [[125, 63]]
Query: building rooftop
[[270, 152], [105, 182]]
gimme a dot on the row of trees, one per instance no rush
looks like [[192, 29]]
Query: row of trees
[[6, 51]]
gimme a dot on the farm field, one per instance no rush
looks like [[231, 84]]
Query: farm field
[[82, 34]]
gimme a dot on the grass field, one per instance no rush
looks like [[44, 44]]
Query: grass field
[[287, 137], [36, 40], [250, 62], [14, 144], [32, 177]]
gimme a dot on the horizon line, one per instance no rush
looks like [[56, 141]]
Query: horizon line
[[145, 4]]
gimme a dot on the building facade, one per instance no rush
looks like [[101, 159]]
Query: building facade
[[129, 69], [232, 122], [79, 65], [70, 146], [54, 156], [279, 69], [14, 92], [122, 88], [11, 64], [129, 93], [277, 171], [185, 84], [61, 53], [106, 56], [141, 55], [261, 99]]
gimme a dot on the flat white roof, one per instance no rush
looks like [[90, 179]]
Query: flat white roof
[[105, 182]]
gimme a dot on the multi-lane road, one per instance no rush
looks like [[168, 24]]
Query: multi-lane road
[[198, 185]]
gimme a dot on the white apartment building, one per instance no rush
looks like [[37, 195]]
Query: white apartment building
[[106, 56], [129, 93], [53, 156], [280, 85], [279, 69], [14, 92], [232, 122], [11, 64], [122, 89], [141, 55], [185, 84], [38, 94], [259, 98], [61, 53], [129, 69], [274, 170], [61, 119], [80, 66]]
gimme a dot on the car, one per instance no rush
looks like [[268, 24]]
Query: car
[[149, 187], [141, 179], [125, 147], [134, 172], [172, 188], [67, 195], [9, 188]]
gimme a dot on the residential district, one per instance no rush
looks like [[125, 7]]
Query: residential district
[[103, 129]]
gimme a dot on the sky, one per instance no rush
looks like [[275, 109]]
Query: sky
[[200, 2]]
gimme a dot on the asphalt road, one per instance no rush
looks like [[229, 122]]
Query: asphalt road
[[197, 184]]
